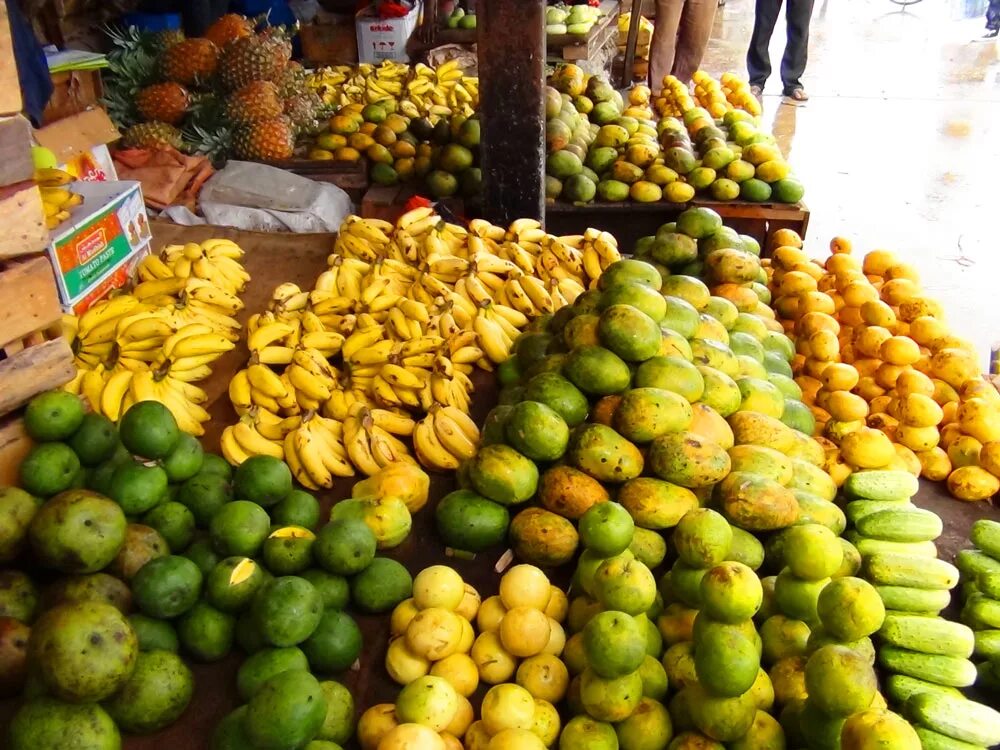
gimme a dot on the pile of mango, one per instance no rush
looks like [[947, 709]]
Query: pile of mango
[[886, 379], [604, 147]]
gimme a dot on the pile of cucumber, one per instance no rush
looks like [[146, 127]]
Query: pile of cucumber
[[927, 656], [980, 568]]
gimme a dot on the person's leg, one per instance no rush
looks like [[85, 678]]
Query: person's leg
[[758, 61], [692, 36], [664, 42], [993, 16], [793, 62]]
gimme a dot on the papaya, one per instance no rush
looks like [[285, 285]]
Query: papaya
[[756, 503], [570, 492], [560, 395], [597, 371], [672, 374], [654, 503], [540, 537], [629, 332], [604, 454], [647, 413], [688, 459], [503, 475]]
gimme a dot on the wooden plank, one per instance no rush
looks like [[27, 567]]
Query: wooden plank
[[36, 369], [635, 20], [10, 88], [14, 446], [15, 150], [23, 220], [30, 299]]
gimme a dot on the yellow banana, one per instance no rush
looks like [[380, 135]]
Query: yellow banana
[[266, 380], [452, 437], [430, 452]]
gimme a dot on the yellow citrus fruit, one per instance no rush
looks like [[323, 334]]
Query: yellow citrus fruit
[[403, 665], [401, 616], [434, 633], [558, 604], [469, 606], [460, 671], [525, 586], [524, 631], [494, 662], [544, 676], [438, 586], [490, 614], [507, 706]]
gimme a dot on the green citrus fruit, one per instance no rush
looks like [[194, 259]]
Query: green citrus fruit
[[167, 586], [206, 633], [345, 547], [174, 522], [138, 487], [265, 664], [335, 644], [233, 583], [334, 590], [148, 429], [155, 696], [185, 460], [153, 634], [264, 480], [53, 415], [381, 586], [299, 508], [95, 440], [287, 610], [48, 469], [239, 528]]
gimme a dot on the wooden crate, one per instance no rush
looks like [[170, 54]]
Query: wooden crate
[[33, 357], [572, 47], [14, 446], [10, 87]]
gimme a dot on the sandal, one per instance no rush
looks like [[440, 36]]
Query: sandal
[[796, 96]]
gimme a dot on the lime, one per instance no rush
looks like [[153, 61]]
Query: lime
[[299, 508], [615, 644], [155, 696], [344, 547], [264, 480], [167, 586], [232, 583], [100, 477], [288, 550], [335, 643], [48, 469], [174, 522], [287, 711], [202, 554], [248, 634], [204, 494], [381, 586], [77, 531], [239, 528], [334, 590], [215, 465], [582, 731], [95, 440], [229, 734], [47, 722], [184, 461], [53, 415], [206, 633], [153, 634], [18, 596], [287, 609], [339, 724], [138, 487], [265, 664], [606, 529], [148, 429]]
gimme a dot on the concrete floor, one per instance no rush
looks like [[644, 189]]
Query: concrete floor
[[900, 141]]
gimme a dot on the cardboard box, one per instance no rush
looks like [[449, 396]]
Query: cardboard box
[[74, 91], [330, 43], [384, 38], [80, 144], [92, 252]]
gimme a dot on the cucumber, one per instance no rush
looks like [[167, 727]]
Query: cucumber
[[985, 534], [928, 635], [968, 590], [981, 611], [899, 688], [906, 570], [868, 546], [987, 679], [958, 718], [915, 525], [972, 562], [916, 601], [941, 670], [931, 740], [858, 509], [882, 484], [988, 643], [989, 583]]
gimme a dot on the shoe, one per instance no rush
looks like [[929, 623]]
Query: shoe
[[796, 96], [758, 92], [990, 34]]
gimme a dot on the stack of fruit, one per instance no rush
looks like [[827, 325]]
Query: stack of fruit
[[598, 147], [57, 199], [459, 19], [980, 569], [407, 340], [874, 356], [574, 19], [716, 96], [233, 92], [159, 340], [417, 91]]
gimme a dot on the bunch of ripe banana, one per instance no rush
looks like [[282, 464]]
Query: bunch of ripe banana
[[158, 341], [57, 199], [444, 438], [419, 91]]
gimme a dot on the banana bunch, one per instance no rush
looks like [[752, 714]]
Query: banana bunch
[[371, 438], [158, 341], [444, 438], [419, 91], [57, 199]]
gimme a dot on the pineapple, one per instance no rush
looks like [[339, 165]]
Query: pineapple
[[265, 140], [191, 61], [305, 111], [253, 58], [132, 62], [258, 100], [229, 28], [153, 135], [292, 80], [163, 102], [169, 37]]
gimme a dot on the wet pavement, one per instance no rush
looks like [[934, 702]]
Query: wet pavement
[[899, 144]]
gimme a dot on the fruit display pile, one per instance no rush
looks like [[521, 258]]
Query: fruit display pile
[[599, 148], [57, 199], [392, 332], [574, 19], [881, 370], [160, 339], [980, 572], [234, 92], [717, 96]]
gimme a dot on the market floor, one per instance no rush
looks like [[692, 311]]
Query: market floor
[[899, 143]]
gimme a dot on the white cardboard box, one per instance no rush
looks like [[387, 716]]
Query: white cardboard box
[[384, 38]]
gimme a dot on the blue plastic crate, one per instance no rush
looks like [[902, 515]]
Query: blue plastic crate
[[154, 21]]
